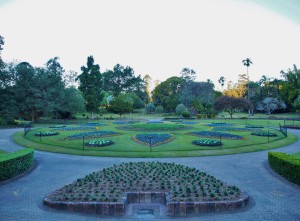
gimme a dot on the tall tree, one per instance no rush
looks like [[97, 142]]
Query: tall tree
[[120, 106], [148, 81], [168, 93], [90, 84], [247, 62], [188, 75], [222, 81]]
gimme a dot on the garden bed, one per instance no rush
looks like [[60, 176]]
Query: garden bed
[[154, 127], [153, 139], [93, 134], [184, 190], [215, 134]]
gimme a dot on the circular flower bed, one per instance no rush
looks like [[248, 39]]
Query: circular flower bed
[[184, 184], [153, 139], [83, 128], [46, 134], [99, 143], [213, 134], [93, 134], [264, 134], [154, 127], [126, 122], [203, 142]]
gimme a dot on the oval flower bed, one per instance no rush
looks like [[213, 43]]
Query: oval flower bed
[[253, 126], [98, 143], [153, 139], [154, 127], [203, 142], [264, 134], [93, 134], [57, 126], [219, 125], [46, 134], [214, 134], [111, 185]]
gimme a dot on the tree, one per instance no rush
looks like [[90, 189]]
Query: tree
[[270, 104], [150, 108], [231, 104], [90, 84], [247, 62], [168, 93], [296, 104], [159, 109], [188, 75], [137, 101], [222, 81], [120, 106], [148, 81]]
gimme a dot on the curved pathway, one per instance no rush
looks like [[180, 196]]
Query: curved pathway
[[273, 197]]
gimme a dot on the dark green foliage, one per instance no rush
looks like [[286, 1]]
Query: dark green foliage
[[120, 106], [13, 164], [150, 108], [186, 114], [286, 165]]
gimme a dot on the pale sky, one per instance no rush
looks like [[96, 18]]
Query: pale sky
[[156, 37]]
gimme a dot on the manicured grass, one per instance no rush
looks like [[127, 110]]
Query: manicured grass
[[297, 155], [182, 145], [2, 152]]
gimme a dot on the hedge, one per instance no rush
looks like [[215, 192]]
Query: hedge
[[13, 164], [286, 165]]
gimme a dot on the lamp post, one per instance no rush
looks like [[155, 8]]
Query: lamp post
[[150, 143]]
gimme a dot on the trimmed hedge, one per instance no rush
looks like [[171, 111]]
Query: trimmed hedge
[[13, 164], [286, 165]]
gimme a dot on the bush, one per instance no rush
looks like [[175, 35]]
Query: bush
[[201, 116], [13, 164], [286, 165], [1, 122], [186, 114], [150, 108], [159, 109], [180, 109]]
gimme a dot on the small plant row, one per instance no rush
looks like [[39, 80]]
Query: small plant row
[[219, 125], [214, 134], [126, 122], [92, 134], [80, 128], [46, 133], [253, 126], [99, 143], [235, 129], [153, 139], [203, 142], [264, 134], [154, 127], [184, 184], [93, 124], [57, 126]]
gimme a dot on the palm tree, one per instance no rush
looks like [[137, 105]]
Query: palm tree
[[222, 81], [247, 62]]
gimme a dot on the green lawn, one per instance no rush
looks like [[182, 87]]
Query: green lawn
[[297, 155], [2, 152], [181, 146]]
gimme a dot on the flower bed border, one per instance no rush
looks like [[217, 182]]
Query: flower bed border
[[153, 145], [173, 208]]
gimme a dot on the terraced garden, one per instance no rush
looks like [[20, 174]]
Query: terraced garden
[[169, 139]]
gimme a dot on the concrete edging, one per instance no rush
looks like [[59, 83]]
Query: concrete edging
[[173, 208]]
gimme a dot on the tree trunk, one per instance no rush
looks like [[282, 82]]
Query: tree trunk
[[92, 115], [32, 116]]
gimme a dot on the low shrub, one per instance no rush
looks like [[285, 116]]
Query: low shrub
[[13, 164], [99, 143], [46, 134], [286, 165], [186, 114], [201, 116], [264, 134], [207, 142]]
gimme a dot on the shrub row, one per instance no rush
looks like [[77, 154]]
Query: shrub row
[[13, 164], [286, 165]]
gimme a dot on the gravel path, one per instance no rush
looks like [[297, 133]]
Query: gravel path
[[272, 198]]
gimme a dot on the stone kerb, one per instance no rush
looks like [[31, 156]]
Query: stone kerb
[[173, 208]]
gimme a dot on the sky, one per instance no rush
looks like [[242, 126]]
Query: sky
[[156, 37]]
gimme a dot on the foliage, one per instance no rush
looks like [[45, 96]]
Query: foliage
[[153, 139], [270, 104], [99, 143], [120, 106], [167, 93], [180, 109], [286, 165], [137, 101], [183, 183], [90, 84], [213, 134], [150, 108], [159, 109], [13, 164], [186, 114], [296, 104], [231, 104], [88, 127], [207, 142]]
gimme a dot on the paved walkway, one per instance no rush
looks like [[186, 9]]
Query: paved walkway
[[273, 198]]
